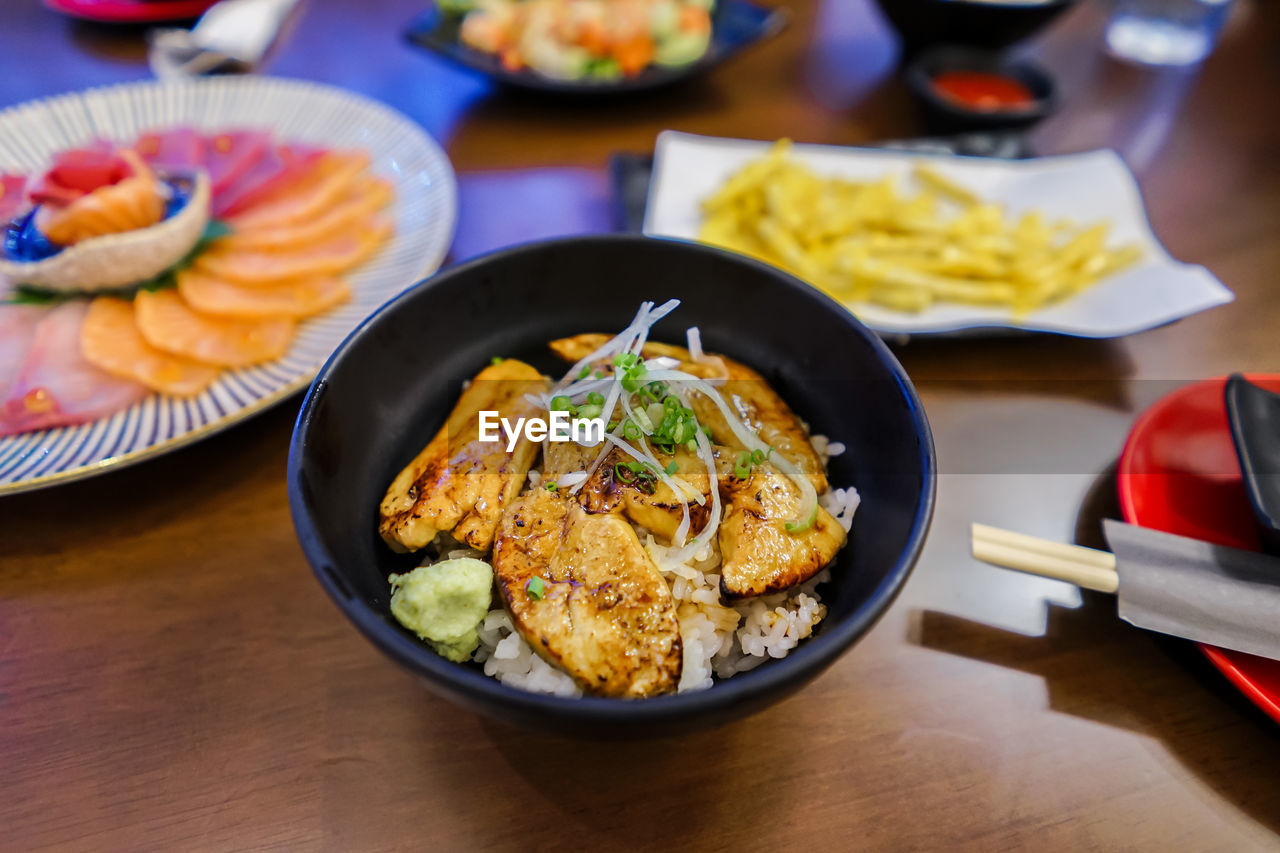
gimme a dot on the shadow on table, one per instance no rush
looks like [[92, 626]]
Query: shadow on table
[[641, 794], [1099, 668], [37, 527], [1046, 365], [513, 108]]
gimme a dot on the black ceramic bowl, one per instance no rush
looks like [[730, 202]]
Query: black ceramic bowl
[[943, 115], [393, 381], [990, 24]]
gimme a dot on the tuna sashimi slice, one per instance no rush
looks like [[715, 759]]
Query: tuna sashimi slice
[[169, 323], [11, 195], [276, 171], [229, 155], [180, 149], [330, 178], [111, 341], [56, 386]]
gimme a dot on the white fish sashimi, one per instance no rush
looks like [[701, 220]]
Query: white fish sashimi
[[55, 386], [17, 329]]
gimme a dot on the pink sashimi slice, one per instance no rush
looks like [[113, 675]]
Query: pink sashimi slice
[[179, 149], [276, 170], [55, 385], [229, 155], [11, 195], [78, 172], [17, 328]]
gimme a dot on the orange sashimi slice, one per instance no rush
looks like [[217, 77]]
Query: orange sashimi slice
[[133, 203], [364, 199], [298, 298], [306, 198], [332, 256], [168, 322], [110, 341]]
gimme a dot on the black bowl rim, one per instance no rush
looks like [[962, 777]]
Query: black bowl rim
[[797, 668], [775, 19], [920, 80]]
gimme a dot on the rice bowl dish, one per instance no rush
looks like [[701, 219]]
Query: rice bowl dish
[[683, 544]]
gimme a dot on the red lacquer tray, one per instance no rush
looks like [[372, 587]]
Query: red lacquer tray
[[1179, 473], [131, 11]]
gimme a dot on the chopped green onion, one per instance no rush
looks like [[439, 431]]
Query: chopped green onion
[[584, 372], [595, 398], [597, 375], [626, 360], [642, 419], [497, 359], [742, 468], [671, 468], [561, 403], [802, 526], [551, 487], [631, 431], [623, 474], [590, 411], [535, 587]]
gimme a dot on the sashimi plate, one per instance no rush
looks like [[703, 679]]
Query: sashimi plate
[[424, 213]]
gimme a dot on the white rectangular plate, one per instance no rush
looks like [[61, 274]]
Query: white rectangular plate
[[1094, 186]]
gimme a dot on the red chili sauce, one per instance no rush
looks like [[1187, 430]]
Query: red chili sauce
[[982, 90]]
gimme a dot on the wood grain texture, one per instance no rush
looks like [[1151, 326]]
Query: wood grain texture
[[172, 678]]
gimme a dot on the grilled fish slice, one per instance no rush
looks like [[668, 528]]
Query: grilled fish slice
[[458, 483], [606, 616], [660, 510], [760, 555], [744, 389]]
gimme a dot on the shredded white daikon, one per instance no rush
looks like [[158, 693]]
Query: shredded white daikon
[[664, 369]]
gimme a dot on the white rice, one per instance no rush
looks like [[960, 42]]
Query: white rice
[[718, 640]]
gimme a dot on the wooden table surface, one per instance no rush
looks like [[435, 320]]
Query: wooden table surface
[[171, 677]]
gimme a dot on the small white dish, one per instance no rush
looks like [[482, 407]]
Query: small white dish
[[1094, 186]]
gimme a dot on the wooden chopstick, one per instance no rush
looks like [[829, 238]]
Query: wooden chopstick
[[1084, 567]]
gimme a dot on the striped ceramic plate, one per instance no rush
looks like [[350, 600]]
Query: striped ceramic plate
[[425, 211]]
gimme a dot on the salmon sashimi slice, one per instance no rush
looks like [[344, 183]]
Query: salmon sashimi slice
[[111, 341], [56, 385], [169, 323], [366, 198], [298, 298], [329, 180], [332, 256]]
